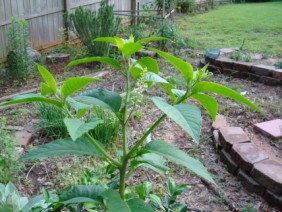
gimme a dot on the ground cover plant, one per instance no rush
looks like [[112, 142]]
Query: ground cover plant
[[123, 163], [226, 26]]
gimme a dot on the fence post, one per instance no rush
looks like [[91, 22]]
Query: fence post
[[66, 23], [133, 12]]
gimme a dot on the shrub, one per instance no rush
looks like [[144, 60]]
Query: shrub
[[19, 63], [89, 25], [8, 164], [186, 6]]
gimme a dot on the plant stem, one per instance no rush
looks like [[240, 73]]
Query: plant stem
[[113, 161], [122, 177]]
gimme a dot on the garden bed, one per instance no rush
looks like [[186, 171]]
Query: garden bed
[[230, 195]]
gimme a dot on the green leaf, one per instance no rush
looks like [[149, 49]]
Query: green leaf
[[174, 154], [224, 91], [77, 128], [179, 190], [208, 102], [81, 193], [153, 38], [152, 77], [73, 85], [136, 71], [62, 147], [27, 98], [38, 201], [178, 93], [143, 189], [111, 98], [114, 202], [167, 88], [79, 107], [155, 199], [106, 60], [185, 68], [150, 63], [138, 205], [93, 101], [105, 39], [131, 48], [45, 89], [171, 185], [119, 42], [152, 161], [48, 77], [188, 117]]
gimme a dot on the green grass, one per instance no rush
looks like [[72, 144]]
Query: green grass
[[227, 26]]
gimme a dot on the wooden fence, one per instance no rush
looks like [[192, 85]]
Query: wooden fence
[[45, 18]]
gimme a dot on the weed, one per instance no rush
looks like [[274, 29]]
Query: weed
[[8, 164], [51, 121], [279, 64]]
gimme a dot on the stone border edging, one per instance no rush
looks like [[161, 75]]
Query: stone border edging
[[269, 75], [244, 159]]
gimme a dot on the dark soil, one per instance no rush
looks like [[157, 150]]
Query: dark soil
[[229, 195]]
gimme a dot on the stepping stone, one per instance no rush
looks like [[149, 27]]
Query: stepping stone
[[246, 155], [272, 128], [263, 70], [277, 74], [272, 199], [58, 58], [14, 128], [269, 174], [219, 122], [249, 183], [23, 138], [232, 167], [232, 135]]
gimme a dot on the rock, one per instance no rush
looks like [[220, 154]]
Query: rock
[[277, 74], [209, 60], [249, 183], [58, 58], [232, 135], [242, 66], [246, 155], [14, 128], [262, 70], [272, 199], [232, 167], [271, 128], [224, 63], [215, 137], [269, 81], [231, 72], [250, 76], [33, 54], [226, 51], [23, 138], [269, 174], [19, 152], [214, 69], [219, 122]]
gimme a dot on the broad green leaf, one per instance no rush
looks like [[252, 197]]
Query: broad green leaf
[[131, 39], [150, 63], [81, 193], [136, 72], [106, 60], [171, 185], [105, 39], [27, 98], [178, 93], [224, 91], [131, 48], [38, 201], [93, 101], [138, 205], [62, 147], [73, 85], [119, 42], [152, 161], [79, 107], [48, 77], [157, 200], [188, 117], [179, 190], [143, 189], [174, 154], [111, 98], [152, 77], [77, 128], [153, 38], [208, 102], [167, 88], [185, 68], [113, 202], [45, 89]]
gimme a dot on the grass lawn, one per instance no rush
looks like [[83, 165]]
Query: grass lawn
[[260, 24]]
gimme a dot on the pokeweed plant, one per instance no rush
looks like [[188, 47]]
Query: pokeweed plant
[[145, 72]]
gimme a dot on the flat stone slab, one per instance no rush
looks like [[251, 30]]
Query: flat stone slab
[[249, 183], [232, 167], [277, 74], [263, 70], [224, 62], [232, 135], [272, 128], [269, 174], [242, 66], [14, 128], [220, 121], [246, 155], [23, 138], [272, 199]]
